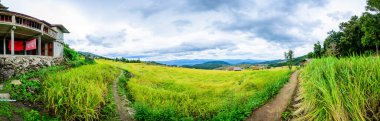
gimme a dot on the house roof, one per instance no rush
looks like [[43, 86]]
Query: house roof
[[2, 7], [237, 68], [61, 27]]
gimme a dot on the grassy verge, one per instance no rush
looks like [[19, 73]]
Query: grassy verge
[[109, 110], [79, 93], [341, 89], [166, 93]]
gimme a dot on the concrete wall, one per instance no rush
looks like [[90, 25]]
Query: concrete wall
[[58, 46], [16, 65], [58, 49]]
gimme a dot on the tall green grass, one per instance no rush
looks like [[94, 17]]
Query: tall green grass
[[167, 93], [341, 89], [78, 93]]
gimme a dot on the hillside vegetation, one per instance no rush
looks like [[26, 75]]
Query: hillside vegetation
[[167, 93], [341, 89]]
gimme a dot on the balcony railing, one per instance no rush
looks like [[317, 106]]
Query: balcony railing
[[6, 18], [29, 23], [50, 32]]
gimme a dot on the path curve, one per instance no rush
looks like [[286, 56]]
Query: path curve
[[273, 110], [120, 104]]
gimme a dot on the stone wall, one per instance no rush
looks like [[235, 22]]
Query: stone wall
[[15, 65]]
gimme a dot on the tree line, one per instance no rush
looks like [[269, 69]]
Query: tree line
[[358, 36], [122, 59]]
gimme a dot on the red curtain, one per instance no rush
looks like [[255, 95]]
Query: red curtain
[[31, 44], [19, 46]]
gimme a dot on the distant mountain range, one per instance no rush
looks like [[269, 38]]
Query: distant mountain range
[[208, 65], [224, 64], [201, 61], [216, 64]]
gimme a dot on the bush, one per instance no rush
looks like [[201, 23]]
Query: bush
[[70, 54], [28, 91]]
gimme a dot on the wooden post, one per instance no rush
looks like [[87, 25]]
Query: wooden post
[[46, 49], [12, 42], [39, 45]]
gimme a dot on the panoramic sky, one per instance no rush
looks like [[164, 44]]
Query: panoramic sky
[[193, 29]]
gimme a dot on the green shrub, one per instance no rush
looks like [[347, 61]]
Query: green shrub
[[28, 91], [70, 54], [32, 116]]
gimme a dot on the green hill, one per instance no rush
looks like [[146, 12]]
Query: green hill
[[209, 65]]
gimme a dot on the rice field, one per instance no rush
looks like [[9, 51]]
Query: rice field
[[169, 93], [341, 89], [78, 93]]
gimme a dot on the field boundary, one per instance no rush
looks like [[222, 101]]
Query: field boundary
[[120, 101], [272, 111]]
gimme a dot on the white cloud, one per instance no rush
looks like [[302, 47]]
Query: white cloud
[[149, 27]]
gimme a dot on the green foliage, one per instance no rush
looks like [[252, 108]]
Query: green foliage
[[341, 89], [5, 109], [373, 5], [358, 36], [289, 58], [70, 54], [317, 50], [109, 110], [122, 86], [122, 59], [169, 93], [32, 116], [28, 91], [78, 93]]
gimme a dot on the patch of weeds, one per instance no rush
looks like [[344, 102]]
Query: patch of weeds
[[122, 86], [29, 91], [5, 109], [109, 111], [34, 115]]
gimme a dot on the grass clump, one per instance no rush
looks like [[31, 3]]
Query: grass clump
[[341, 89], [79, 93]]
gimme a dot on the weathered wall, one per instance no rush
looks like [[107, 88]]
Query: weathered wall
[[15, 65], [58, 49]]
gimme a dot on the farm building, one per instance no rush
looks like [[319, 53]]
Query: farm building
[[260, 67], [235, 69], [25, 35], [28, 43]]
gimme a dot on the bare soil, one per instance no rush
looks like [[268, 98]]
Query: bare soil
[[120, 103], [272, 111]]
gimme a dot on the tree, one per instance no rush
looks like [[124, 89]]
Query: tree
[[370, 26], [350, 43], [331, 44], [310, 55], [289, 57], [373, 5], [317, 50]]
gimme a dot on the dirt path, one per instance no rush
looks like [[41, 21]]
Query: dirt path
[[273, 110], [120, 103]]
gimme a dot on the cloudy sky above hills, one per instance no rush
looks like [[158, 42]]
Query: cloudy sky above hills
[[193, 29]]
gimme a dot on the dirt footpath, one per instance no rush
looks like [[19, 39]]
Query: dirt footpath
[[122, 110], [273, 110]]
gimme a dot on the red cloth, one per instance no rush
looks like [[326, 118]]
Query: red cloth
[[19, 45], [31, 44]]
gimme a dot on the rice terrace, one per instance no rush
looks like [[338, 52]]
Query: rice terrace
[[190, 60]]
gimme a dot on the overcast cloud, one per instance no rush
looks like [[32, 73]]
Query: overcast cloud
[[193, 29]]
